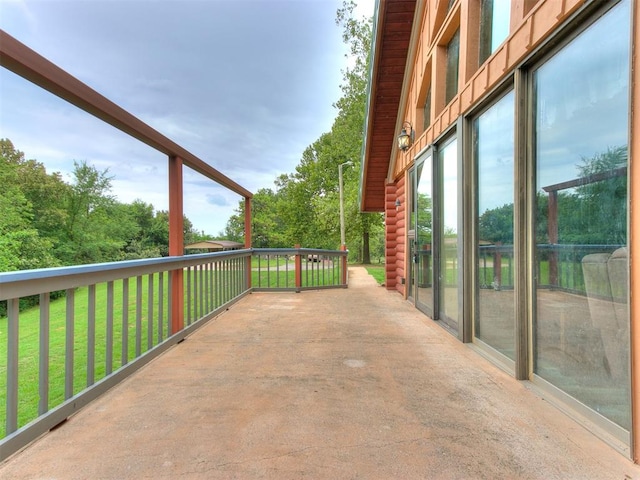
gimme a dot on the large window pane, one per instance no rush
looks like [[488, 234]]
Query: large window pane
[[453, 57], [427, 111], [424, 231], [581, 330], [493, 153], [448, 158], [494, 25]]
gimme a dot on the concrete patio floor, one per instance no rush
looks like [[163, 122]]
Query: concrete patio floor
[[336, 384]]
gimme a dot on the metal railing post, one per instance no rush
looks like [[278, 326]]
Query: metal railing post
[[247, 237], [298, 273], [344, 265]]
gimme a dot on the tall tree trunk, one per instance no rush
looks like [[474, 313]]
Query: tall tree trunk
[[366, 257]]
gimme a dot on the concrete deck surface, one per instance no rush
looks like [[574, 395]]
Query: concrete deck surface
[[340, 384]]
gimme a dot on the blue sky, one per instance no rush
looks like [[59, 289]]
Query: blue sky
[[246, 85]]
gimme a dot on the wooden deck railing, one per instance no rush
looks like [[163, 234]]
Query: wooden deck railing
[[114, 318]]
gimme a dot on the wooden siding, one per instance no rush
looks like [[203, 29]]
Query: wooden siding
[[395, 245]]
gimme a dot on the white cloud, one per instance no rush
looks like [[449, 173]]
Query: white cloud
[[244, 85]]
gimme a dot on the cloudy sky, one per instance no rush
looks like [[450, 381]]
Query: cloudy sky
[[246, 85]]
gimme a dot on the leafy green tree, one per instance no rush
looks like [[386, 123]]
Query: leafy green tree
[[348, 128], [46, 222], [304, 207], [604, 197], [496, 225], [45, 192], [157, 234], [21, 247], [267, 225], [234, 230], [96, 227], [139, 243], [191, 234]]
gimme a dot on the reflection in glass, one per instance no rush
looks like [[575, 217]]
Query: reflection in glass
[[427, 110], [493, 138], [494, 26], [581, 330], [453, 56], [411, 234], [448, 158], [423, 236]]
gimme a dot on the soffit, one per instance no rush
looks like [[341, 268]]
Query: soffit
[[391, 44]]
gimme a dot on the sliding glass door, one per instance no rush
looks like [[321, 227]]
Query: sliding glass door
[[447, 234], [581, 322], [423, 237], [493, 151]]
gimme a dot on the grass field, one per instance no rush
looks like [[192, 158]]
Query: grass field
[[133, 330], [377, 272], [141, 332]]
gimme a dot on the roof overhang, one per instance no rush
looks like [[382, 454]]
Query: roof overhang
[[215, 245], [393, 25]]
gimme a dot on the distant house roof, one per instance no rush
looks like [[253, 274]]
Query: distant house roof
[[215, 245]]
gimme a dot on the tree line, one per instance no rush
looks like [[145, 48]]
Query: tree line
[[303, 207], [47, 222], [593, 212]]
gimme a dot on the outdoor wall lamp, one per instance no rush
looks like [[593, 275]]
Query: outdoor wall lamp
[[405, 139], [398, 204]]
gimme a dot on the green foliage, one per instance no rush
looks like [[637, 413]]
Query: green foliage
[[21, 246], [46, 222], [304, 207], [604, 199], [593, 210], [377, 272], [496, 226]]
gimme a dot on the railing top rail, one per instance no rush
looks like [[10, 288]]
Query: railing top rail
[[557, 246], [301, 251], [23, 61], [31, 282], [572, 246]]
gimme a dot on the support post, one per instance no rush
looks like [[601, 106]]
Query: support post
[[176, 241], [344, 266], [552, 227], [298, 262], [247, 236], [497, 265]]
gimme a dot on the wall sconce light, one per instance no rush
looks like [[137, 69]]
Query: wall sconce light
[[405, 139], [398, 204]]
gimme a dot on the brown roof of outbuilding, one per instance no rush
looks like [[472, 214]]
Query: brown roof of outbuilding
[[215, 245]]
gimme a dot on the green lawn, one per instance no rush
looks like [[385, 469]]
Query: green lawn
[[136, 340], [141, 333], [269, 261], [286, 279], [377, 272]]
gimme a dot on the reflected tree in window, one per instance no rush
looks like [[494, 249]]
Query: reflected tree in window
[[604, 196], [424, 227], [496, 225]]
